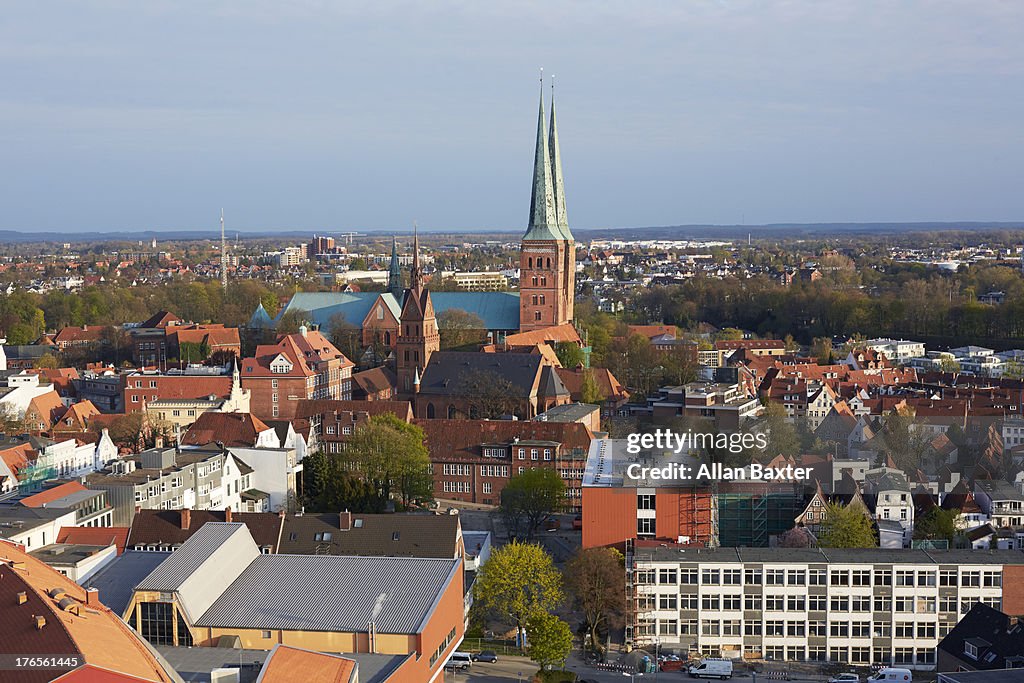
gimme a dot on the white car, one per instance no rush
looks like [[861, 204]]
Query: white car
[[845, 678]]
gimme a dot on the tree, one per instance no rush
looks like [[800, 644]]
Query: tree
[[47, 361], [550, 639], [846, 527], [518, 582], [292, 320], [459, 328], [129, 431], [597, 583], [797, 537], [490, 395], [388, 452], [530, 498], [948, 364], [328, 487], [783, 438], [936, 524], [570, 355], [590, 390], [193, 352], [903, 440], [346, 336]]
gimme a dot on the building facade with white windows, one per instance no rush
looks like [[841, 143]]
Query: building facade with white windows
[[862, 607]]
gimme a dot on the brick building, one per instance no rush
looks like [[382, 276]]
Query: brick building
[[474, 459], [299, 367]]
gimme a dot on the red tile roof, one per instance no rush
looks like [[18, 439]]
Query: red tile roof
[[94, 632], [453, 439], [606, 382], [94, 535], [51, 494], [231, 429], [554, 334]]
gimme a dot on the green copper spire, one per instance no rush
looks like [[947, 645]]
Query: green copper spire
[[543, 221], [395, 273], [562, 220]]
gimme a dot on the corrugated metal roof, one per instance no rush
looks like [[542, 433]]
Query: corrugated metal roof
[[332, 593], [204, 566], [498, 310]]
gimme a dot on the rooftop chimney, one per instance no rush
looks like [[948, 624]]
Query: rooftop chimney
[[22, 597], [186, 518], [40, 622], [345, 521], [92, 597], [227, 514]]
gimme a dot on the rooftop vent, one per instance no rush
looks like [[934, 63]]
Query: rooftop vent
[[40, 622], [22, 597]]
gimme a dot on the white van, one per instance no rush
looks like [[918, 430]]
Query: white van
[[712, 668], [890, 674]]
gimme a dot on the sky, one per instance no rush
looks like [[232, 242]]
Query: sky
[[337, 116]]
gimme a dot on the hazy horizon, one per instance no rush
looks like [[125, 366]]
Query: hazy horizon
[[122, 116]]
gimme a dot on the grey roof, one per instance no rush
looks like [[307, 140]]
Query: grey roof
[[117, 581], [204, 565], [998, 489], [888, 481], [380, 535], [66, 554], [332, 593], [568, 412], [16, 519], [194, 664], [445, 372], [832, 556], [1001, 676]]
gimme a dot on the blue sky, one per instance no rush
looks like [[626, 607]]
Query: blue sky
[[308, 114]]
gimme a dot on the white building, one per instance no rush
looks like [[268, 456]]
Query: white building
[[896, 350], [859, 607]]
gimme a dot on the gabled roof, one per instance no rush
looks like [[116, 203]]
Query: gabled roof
[[204, 566], [606, 382], [164, 527], [447, 370], [988, 630], [96, 634], [374, 380], [230, 429], [160, 319], [286, 664], [382, 535], [400, 409], [553, 334]]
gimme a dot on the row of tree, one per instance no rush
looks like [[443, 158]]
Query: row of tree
[[520, 585]]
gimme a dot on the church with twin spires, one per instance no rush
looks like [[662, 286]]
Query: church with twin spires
[[405, 320]]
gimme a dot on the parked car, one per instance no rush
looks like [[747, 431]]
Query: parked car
[[488, 656], [552, 524], [892, 674], [845, 678]]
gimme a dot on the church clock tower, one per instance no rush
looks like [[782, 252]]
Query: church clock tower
[[547, 264]]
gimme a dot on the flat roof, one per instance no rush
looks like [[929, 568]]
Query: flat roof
[[194, 664], [117, 581], [829, 556], [64, 554]]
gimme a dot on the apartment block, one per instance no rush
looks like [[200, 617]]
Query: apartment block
[[860, 607]]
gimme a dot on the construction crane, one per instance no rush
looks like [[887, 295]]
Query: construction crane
[[349, 235]]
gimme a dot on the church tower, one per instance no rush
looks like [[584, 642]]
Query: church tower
[[395, 273], [547, 264], [418, 336]]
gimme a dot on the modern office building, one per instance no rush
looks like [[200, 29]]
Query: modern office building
[[864, 606]]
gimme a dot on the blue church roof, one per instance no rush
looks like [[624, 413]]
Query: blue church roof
[[498, 310]]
